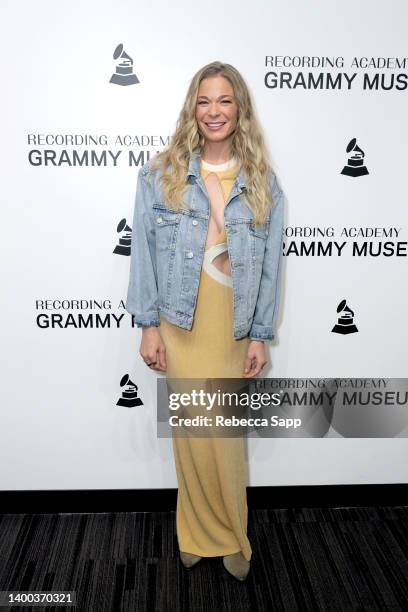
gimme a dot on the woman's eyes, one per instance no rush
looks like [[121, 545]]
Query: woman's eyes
[[222, 102]]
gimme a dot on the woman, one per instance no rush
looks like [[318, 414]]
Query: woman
[[204, 286]]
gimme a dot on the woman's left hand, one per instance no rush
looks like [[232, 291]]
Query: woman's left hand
[[255, 358]]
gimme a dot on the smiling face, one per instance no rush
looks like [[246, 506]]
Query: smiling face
[[216, 109]]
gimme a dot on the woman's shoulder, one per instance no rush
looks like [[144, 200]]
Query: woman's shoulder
[[150, 173], [274, 184], [147, 168]]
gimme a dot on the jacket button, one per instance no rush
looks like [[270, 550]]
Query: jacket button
[[159, 219], [190, 254], [195, 221]]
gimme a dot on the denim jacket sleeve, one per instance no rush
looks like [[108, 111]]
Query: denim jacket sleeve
[[142, 293], [267, 305]]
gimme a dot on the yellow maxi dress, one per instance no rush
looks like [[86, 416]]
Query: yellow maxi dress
[[212, 513]]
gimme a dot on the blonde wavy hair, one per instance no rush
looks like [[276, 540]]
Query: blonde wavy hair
[[247, 145]]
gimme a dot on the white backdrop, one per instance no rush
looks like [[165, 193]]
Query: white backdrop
[[61, 426]]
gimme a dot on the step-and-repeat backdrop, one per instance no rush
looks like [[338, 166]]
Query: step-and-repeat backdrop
[[91, 91]]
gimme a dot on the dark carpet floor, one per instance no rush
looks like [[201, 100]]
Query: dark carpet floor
[[303, 559]]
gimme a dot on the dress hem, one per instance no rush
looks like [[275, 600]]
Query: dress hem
[[218, 554]]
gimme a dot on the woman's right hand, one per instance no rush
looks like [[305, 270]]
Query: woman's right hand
[[152, 348]]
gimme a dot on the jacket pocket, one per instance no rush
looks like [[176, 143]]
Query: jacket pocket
[[259, 231], [166, 223], [164, 217], [258, 237]]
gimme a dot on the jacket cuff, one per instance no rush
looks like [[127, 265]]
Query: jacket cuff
[[146, 319], [148, 324], [261, 332]]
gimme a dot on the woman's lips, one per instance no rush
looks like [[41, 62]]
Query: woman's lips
[[215, 125]]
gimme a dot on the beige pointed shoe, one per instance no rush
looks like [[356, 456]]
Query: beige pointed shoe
[[189, 560], [237, 565]]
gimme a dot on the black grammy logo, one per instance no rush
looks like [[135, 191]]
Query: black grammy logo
[[125, 240], [123, 74], [129, 394], [345, 323], [355, 163]]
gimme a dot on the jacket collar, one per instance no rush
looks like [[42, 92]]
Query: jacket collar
[[194, 168]]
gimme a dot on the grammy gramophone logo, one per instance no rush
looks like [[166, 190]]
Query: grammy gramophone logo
[[345, 322], [123, 74], [125, 238], [129, 397], [355, 163]]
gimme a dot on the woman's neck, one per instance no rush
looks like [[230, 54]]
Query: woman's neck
[[213, 153]]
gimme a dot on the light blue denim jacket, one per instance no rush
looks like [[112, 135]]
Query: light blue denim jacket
[[168, 248]]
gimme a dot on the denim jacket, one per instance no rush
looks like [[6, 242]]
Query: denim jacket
[[168, 248]]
